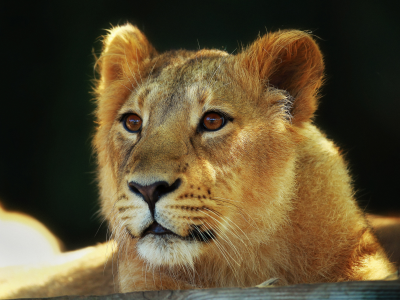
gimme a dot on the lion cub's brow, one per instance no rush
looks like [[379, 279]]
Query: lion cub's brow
[[188, 83]]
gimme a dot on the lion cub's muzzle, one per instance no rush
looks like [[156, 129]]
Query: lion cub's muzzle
[[151, 194]]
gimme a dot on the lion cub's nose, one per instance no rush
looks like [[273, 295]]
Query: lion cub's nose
[[153, 192]]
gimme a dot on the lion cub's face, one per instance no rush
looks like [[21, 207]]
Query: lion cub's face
[[195, 152]]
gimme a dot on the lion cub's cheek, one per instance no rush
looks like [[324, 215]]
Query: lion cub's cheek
[[172, 251]]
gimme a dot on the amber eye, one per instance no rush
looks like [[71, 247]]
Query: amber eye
[[213, 121], [132, 123]]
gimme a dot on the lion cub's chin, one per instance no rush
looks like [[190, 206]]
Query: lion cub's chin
[[168, 250]]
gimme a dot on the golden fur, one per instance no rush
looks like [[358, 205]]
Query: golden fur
[[271, 188], [267, 195]]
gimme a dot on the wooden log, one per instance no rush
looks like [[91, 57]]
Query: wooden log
[[385, 290]]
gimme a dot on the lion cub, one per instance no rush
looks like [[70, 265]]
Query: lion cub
[[212, 174]]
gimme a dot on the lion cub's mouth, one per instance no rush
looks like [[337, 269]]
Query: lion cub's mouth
[[194, 235], [157, 229]]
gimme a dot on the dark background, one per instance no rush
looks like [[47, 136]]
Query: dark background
[[46, 121]]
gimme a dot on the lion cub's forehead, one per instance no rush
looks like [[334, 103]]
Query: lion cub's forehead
[[183, 63], [181, 79], [176, 70]]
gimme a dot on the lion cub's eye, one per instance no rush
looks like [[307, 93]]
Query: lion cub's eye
[[132, 122], [213, 121]]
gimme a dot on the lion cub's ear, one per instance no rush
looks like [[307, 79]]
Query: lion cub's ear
[[125, 48], [289, 60]]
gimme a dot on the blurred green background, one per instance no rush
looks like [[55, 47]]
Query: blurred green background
[[46, 121]]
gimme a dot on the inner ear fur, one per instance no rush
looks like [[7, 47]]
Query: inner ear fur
[[289, 60], [125, 48]]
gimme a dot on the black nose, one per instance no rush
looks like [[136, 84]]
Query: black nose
[[153, 192]]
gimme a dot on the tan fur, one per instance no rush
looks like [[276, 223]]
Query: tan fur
[[272, 189]]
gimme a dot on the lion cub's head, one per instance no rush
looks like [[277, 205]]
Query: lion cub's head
[[196, 149]]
